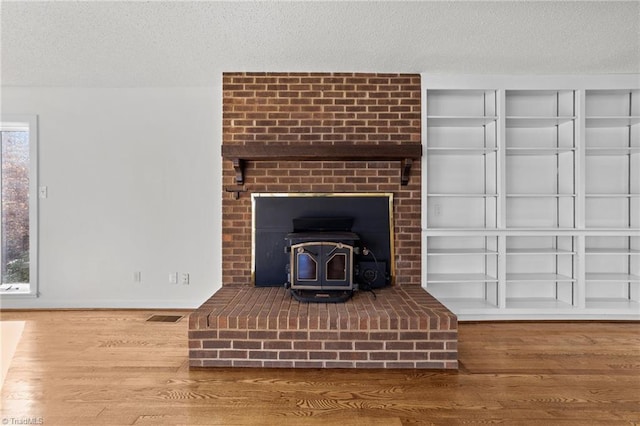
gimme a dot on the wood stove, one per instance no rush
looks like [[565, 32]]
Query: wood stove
[[321, 259]]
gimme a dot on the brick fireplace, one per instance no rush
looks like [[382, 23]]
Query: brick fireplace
[[322, 133]]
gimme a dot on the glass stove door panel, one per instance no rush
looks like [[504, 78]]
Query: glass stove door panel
[[307, 269], [337, 262], [337, 267]]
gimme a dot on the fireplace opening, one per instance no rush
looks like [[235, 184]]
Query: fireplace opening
[[323, 246]]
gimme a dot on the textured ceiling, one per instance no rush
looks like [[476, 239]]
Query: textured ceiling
[[107, 44]]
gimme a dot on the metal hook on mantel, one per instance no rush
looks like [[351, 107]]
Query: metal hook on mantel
[[235, 190]]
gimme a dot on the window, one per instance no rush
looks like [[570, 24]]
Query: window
[[19, 212]]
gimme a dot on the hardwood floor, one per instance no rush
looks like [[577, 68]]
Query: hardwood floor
[[115, 368]]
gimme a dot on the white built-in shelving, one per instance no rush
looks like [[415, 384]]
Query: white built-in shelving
[[463, 134], [540, 150], [464, 269], [612, 148], [531, 196], [541, 270]]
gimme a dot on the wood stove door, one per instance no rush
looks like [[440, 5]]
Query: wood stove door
[[321, 265]]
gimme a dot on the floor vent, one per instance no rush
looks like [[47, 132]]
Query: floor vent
[[165, 318]]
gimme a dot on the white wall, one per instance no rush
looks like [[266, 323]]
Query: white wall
[[134, 178]]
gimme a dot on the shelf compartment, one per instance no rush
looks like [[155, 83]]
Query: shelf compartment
[[540, 195], [461, 103], [462, 191], [464, 211], [612, 212], [546, 250], [463, 266], [617, 292], [460, 121], [534, 211], [614, 138], [538, 122], [553, 245], [463, 195], [541, 266], [470, 294], [612, 104], [612, 304], [612, 258], [469, 136], [612, 277], [540, 103], [553, 140], [612, 272], [538, 251], [604, 121], [554, 174], [461, 174], [462, 244], [614, 151], [460, 278], [557, 293], [461, 151], [610, 174], [460, 304], [549, 155], [611, 251], [539, 151], [546, 201], [537, 303], [538, 276], [460, 252], [603, 195]]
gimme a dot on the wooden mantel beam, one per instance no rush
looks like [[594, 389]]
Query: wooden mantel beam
[[405, 153]]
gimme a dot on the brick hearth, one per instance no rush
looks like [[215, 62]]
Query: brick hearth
[[401, 327]]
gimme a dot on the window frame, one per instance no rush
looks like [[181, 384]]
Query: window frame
[[30, 123]]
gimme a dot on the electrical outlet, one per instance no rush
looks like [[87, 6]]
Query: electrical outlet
[[44, 192], [437, 210], [137, 277], [185, 279], [173, 278]]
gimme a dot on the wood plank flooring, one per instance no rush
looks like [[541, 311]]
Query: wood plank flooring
[[114, 368]]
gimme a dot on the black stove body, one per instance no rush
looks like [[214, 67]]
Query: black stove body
[[322, 259]]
